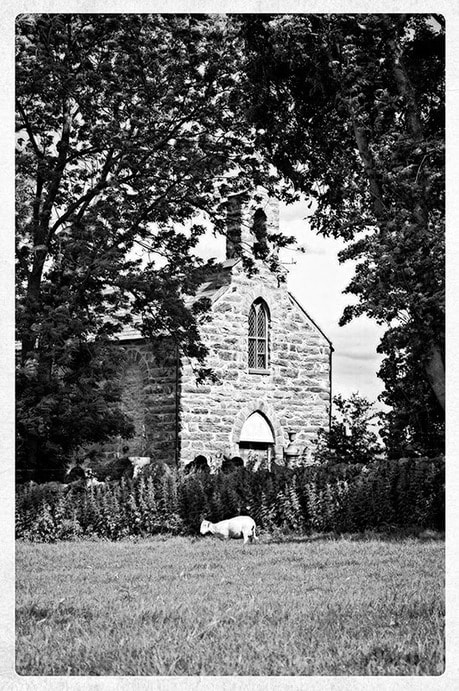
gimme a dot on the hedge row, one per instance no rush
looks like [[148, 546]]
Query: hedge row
[[341, 498]]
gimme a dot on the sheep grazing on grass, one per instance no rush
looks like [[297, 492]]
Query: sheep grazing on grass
[[239, 526]]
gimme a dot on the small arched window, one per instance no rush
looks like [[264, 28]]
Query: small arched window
[[258, 353]]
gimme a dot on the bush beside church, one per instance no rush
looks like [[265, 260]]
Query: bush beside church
[[385, 495]]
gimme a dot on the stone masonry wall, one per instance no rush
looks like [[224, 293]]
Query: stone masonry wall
[[241, 217], [294, 395]]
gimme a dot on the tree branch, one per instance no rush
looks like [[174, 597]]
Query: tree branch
[[379, 207], [62, 147], [28, 126], [86, 198]]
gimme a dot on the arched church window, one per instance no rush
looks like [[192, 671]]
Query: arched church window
[[258, 352], [256, 442]]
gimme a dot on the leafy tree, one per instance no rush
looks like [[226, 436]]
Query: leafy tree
[[127, 127], [352, 437], [414, 425], [350, 108]]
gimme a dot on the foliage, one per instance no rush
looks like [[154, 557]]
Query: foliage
[[338, 498], [414, 424], [350, 108], [194, 503], [351, 437], [128, 127]]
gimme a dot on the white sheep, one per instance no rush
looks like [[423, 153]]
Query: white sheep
[[239, 526]]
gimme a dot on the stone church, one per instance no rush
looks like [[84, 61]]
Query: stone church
[[272, 361]]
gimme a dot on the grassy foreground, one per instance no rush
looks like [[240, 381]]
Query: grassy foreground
[[182, 606]]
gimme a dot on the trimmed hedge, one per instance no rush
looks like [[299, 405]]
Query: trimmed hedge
[[340, 498]]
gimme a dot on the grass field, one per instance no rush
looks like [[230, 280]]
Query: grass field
[[183, 606]]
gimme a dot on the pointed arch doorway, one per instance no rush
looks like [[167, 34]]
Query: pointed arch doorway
[[256, 441]]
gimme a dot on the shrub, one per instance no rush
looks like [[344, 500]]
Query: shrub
[[339, 498], [352, 435], [194, 506], [43, 529]]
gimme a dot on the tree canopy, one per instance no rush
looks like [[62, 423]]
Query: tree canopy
[[350, 108], [127, 128]]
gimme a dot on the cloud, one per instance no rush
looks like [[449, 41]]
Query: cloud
[[317, 250], [297, 212], [359, 355]]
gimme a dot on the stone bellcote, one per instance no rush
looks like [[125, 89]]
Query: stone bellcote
[[250, 220]]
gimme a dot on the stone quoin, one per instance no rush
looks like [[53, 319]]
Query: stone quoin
[[273, 365]]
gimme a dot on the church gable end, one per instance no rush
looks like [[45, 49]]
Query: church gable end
[[270, 359], [292, 390]]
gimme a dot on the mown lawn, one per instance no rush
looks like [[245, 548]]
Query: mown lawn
[[183, 606]]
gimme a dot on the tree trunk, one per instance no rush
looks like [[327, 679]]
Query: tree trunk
[[367, 159], [435, 370]]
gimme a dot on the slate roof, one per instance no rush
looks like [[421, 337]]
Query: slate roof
[[212, 289]]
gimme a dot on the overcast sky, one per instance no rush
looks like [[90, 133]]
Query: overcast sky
[[317, 280]]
